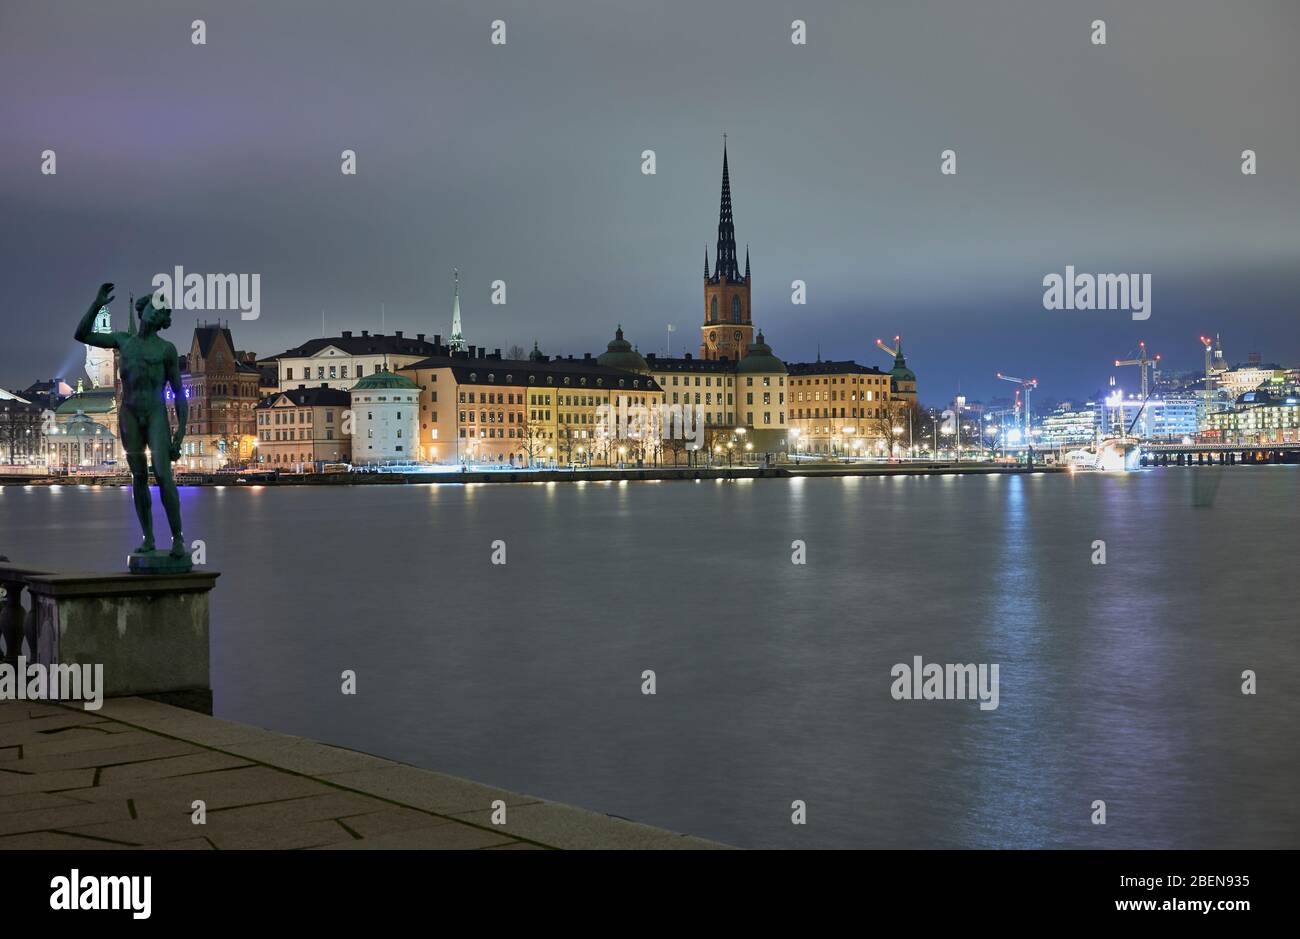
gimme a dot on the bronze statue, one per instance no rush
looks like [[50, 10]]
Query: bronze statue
[[146, 364]]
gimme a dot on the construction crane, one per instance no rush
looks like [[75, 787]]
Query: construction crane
[[1209, 371], [1143, 362], [891, 352], [1027, 385]]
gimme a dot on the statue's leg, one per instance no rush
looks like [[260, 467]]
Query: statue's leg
[[133, 442], [160, 443]]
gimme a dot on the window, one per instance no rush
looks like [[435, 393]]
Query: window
[[735, 309], [713, 312]]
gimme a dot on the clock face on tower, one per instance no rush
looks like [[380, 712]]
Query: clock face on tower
[[713, 338], [737, 335]]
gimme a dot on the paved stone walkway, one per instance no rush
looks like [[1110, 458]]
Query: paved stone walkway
[[125, 777]]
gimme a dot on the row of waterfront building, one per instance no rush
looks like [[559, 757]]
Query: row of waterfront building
[[1251, 403], [363, 398]]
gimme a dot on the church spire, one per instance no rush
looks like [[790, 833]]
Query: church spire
[[457, 342], [726, 265], [746, 262], [706, 262]]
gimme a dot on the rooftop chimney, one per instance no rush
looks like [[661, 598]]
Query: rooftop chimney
[[365, 332], [419, 337], [347, 334], [398, 334]]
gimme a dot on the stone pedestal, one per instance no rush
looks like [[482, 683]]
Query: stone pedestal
[[158, 562], [150, 632]]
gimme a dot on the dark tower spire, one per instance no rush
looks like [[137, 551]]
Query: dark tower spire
[[706, 262], [746, 262], [726, 265]]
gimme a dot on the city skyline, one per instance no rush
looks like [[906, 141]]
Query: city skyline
[[526, 175]]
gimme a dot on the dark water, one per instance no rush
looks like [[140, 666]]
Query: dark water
[[1119, 682]]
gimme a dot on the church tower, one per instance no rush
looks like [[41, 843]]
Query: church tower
[[99, 362], [727, 331], [457, 342]]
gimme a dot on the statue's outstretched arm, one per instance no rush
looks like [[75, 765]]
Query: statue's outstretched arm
[[85, 329]]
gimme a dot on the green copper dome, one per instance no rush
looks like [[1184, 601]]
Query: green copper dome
[[761, 359], [83, 426], [377, 381], [900, 371], [620, 354]]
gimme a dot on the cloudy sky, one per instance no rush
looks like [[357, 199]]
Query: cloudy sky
[[522, 163]]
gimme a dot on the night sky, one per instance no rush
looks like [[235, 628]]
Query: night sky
[[523, 162]]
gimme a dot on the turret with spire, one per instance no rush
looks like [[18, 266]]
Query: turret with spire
[[457, 342], [725, 265], [99, 361], [728, 331]]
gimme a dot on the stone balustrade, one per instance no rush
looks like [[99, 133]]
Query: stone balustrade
[[149, 632]]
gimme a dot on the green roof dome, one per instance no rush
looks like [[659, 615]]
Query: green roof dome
[[381, 380], [760, 358], [82, 426], [900, 371], [95, 401], [620, 354]]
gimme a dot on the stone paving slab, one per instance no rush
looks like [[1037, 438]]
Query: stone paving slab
[[422, 789], [563, 826], [187, 765], [142, 750], [127, 776], [55, 841]]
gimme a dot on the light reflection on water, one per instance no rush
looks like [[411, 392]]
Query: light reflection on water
[[1118, 682]]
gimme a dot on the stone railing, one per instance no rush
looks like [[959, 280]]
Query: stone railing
[[149, 632]]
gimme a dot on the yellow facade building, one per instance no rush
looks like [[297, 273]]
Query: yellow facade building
[[528, 413]]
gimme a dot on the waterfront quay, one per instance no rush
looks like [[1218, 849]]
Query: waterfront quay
[[132, 775], [594, 474]]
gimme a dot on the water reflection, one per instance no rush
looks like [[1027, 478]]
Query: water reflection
[[1118, 681]]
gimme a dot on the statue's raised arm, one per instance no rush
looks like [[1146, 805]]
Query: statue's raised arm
[[85, 329]]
